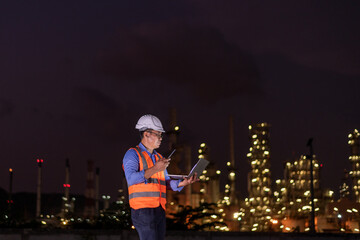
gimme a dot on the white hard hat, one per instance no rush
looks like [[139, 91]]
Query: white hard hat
[[149, 121]]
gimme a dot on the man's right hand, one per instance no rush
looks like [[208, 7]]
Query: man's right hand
[[159, 166], [162, 164]]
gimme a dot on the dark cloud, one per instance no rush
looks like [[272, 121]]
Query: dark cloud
[[97, 112], [199, 57], [6, 107]]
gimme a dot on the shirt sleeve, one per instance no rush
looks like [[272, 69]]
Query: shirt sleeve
[[172, 184], [131, 168]]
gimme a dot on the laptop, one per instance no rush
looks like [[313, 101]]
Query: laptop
[[198, 168]]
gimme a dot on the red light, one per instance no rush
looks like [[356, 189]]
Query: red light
[[66, 185], [321, 165], [40, 160]]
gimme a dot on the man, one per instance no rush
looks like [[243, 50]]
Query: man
[[147, 179]]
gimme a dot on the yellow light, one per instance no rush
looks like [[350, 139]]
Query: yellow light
[[202, 145], [232, 174], [201, 156], [254, 136], [43, 222], [10, 170], [132, 227], [64, 222], [200, 151], [274, 221], [250, 127], [218, 172], [205, 171], [177, 128], [228, 163]]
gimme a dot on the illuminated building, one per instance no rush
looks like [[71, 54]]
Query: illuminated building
[[297, 177], [341, 215], [210, 185], [230, 201], [174, 199], [354, 158], [259, 178]]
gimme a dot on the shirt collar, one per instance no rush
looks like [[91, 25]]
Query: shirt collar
[[143, 148]]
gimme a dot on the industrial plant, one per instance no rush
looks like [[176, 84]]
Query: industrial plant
[[296, 203]]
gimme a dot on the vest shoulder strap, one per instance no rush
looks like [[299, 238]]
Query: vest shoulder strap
[[143, 159]]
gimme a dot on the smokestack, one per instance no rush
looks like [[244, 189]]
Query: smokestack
[[231, 176], [38, 196], [231, 140], [172, 133], [172, 136], [10, 201], [66, 199], [97, 191], [89, 210], [188, 169]]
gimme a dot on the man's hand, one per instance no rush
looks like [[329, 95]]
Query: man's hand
[[162, 164], [159, 166], [187, 181]]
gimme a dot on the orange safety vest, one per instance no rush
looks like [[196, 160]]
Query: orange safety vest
[[153, 193]]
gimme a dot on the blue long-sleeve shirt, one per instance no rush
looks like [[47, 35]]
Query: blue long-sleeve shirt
[[134, 176]]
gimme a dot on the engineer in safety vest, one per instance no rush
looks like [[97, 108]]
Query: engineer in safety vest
[[147, 180]]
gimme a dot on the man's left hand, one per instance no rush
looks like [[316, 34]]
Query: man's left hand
[[187, 181]]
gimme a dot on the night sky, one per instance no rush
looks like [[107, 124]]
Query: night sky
[[75, 76]]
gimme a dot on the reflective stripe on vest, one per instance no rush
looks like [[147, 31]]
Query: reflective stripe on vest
[[155, 180], [147, 194]]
